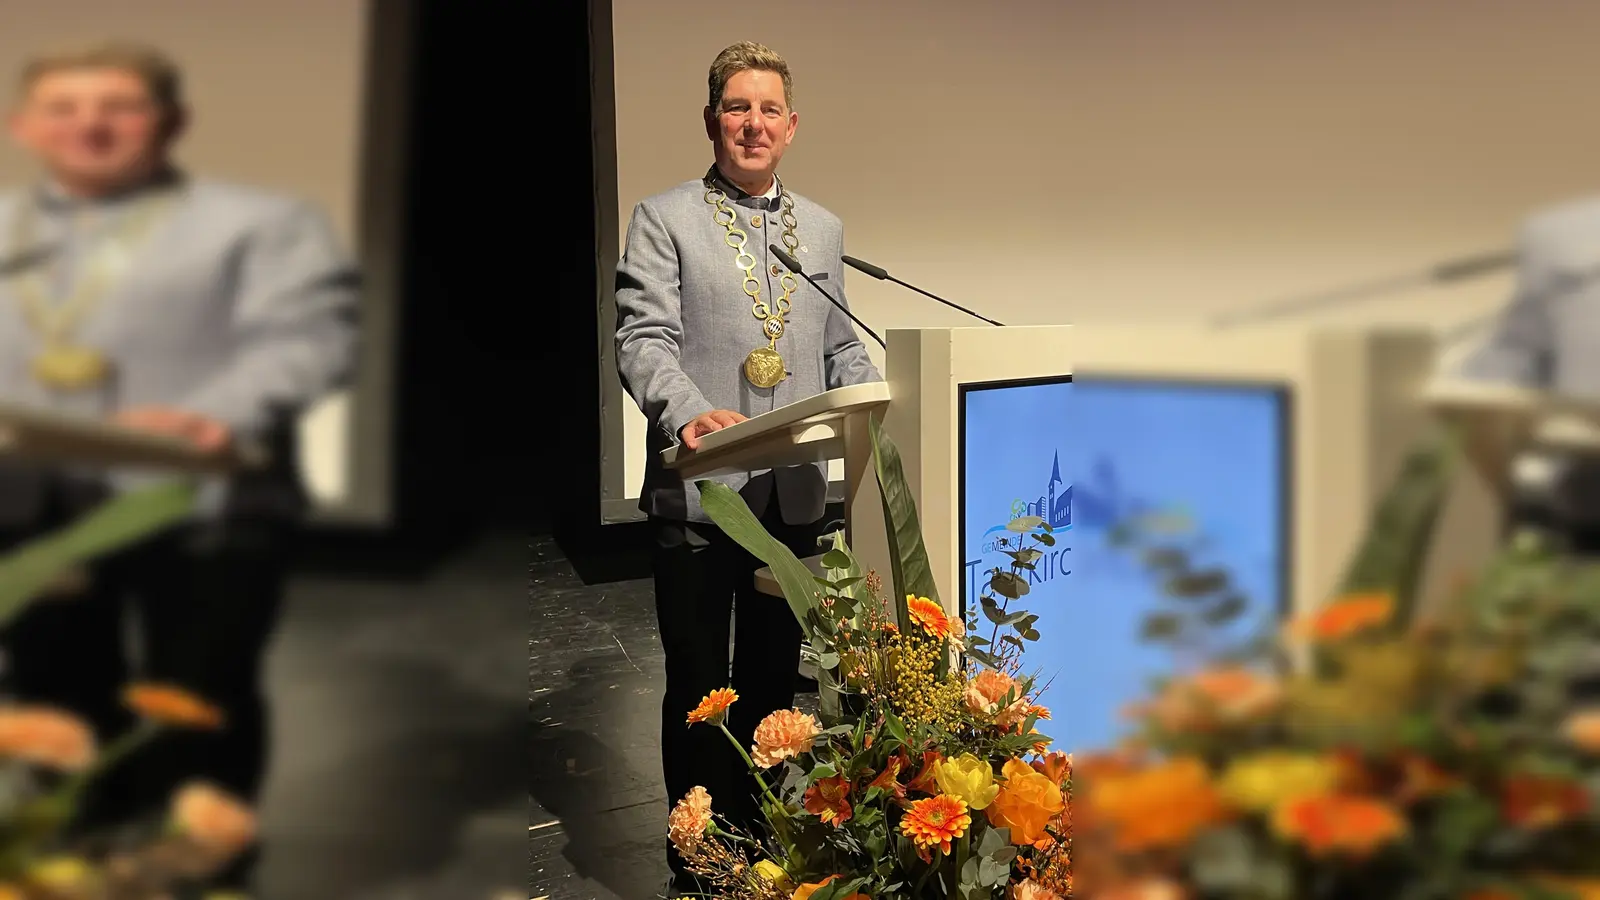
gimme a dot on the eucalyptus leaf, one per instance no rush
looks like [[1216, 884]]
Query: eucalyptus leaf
[[1026, 556], [1024, 524], [1160, 627], [1049, 540], [1226, 610], [993, 839], [1008, 585], [1192, 585]]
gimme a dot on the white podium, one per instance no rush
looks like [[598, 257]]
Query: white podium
[[1507, 428], [831, 425], [41, 436]]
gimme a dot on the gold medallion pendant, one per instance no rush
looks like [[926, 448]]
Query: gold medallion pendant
[[764, 368], [69, 368]]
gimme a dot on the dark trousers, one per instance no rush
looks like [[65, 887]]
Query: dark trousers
[[206, 599], [701, 577]]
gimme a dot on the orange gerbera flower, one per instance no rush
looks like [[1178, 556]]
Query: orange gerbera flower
[[171, 705], [935, 822], [929, 615], [714, 708], [1339, 824], [829, 800], [1347, 616]]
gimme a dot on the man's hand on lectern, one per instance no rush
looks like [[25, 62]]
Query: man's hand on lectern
[[207, 434], [704, 424]]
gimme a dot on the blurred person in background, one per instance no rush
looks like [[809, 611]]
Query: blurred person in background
[[1548, 338], [711, 329], [211, 312]]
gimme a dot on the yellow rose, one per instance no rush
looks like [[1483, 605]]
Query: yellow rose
[[967, 778], [62, 874], [1263, 781], [1027, 802], [774, 874]]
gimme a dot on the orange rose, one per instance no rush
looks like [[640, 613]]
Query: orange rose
[[1163, 806], [986, 696], [213, 819], [1027, 802], [46, 737]]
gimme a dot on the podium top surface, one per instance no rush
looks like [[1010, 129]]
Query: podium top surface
[[45, 436], [814, 410]]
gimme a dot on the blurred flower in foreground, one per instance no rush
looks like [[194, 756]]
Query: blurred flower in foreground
[[214, 819], [173, 706], [46, 737]]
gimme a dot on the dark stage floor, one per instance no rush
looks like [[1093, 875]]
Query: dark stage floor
[[399, 768], [597, 825]]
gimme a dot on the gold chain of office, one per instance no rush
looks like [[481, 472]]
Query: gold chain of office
[[764, 367]]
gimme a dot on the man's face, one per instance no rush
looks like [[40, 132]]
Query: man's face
[[94, 127], [753, 126]]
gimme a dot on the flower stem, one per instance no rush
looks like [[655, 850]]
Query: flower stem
[[749, 762], [962, 848]]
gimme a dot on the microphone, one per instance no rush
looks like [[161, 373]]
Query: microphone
[[793, 265], [1443, 273], [881, 274]]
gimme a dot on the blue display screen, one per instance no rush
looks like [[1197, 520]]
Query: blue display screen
[[1088, 454]]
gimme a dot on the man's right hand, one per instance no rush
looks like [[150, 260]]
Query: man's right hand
[[704, 424]]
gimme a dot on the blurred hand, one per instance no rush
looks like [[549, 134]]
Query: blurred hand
[[716, 420], [209, 435]]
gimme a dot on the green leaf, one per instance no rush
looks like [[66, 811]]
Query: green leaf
[[1394, 550], [122, 521], [1464, 819], [992, 873], [829, 661], [1196, 584], [1026, 557], [1160, 627], [1008, 585], [730, 513], [839, 889], [908, 557], [1048, 540], [1226, 610], [984, 658], [1024, 524], [993, 839], [835, 559], [991, 609]]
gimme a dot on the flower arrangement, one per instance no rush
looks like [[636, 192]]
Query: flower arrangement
[[1372, 749], [925, 776], [49, 758]]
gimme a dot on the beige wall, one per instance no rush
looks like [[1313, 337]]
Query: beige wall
[[1052, 162], [277, 90]]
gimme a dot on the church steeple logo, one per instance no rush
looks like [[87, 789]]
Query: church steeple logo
[[1054, 506]]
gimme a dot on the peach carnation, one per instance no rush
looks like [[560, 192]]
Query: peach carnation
[[1032, 890], [986, 692], [213, 819], [783, 734], [46, 737], [688, 821]]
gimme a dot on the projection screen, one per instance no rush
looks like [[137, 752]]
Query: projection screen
[[1155, 160], [281, 99]]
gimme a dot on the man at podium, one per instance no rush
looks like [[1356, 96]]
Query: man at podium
[[1548, 338], [711, 330], [196, 309]]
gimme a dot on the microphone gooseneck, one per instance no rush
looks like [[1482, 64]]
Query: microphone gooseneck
[[882, 274], [794, 266]]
